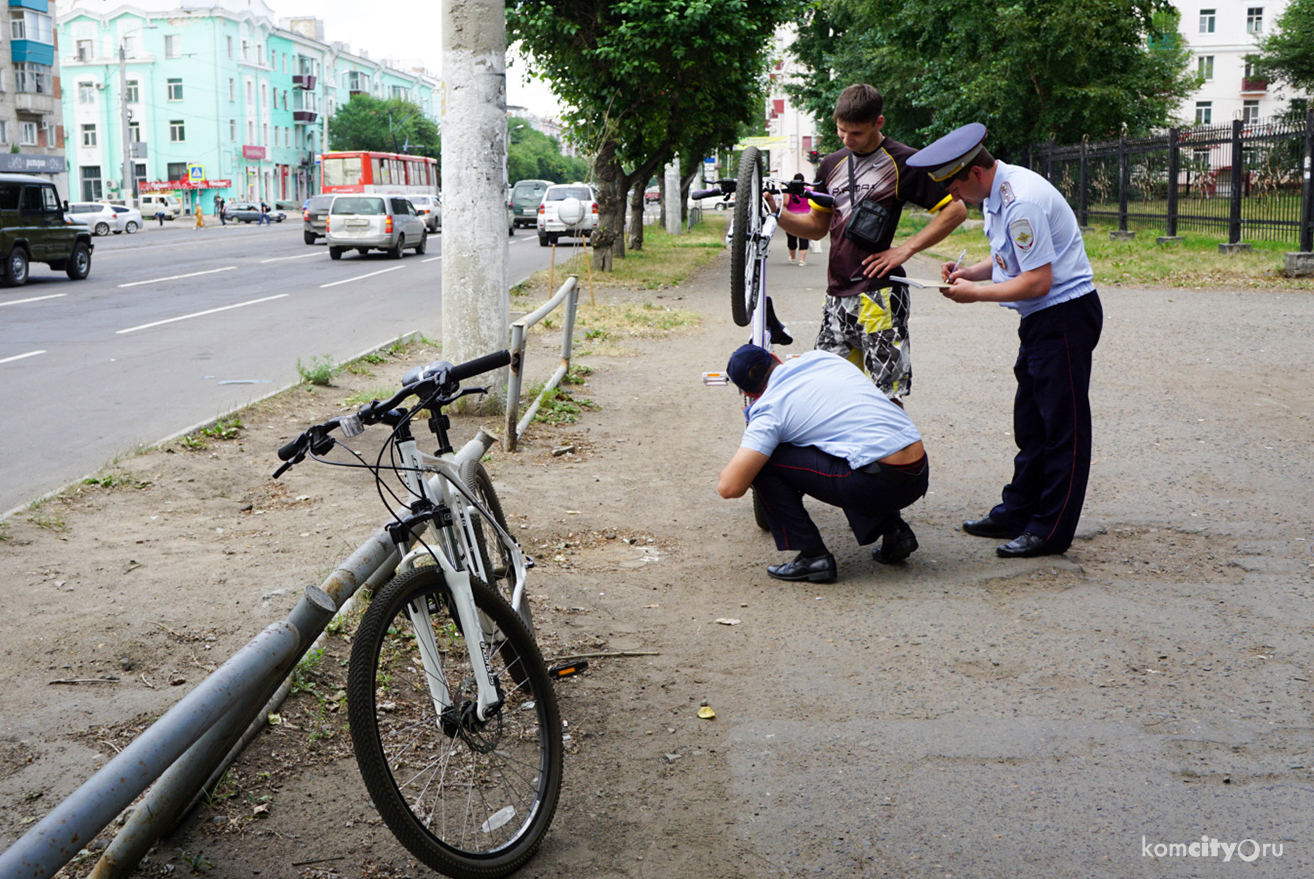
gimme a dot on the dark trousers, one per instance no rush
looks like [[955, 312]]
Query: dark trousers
[[871, 501], [1051, 421], [794, 242]]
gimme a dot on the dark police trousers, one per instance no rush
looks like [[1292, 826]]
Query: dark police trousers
[[870, 497], [1051, 421]]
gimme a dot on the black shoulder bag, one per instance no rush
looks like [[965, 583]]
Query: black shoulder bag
[[869, 221]]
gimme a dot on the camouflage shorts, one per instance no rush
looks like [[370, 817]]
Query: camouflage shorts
[[871, 331]]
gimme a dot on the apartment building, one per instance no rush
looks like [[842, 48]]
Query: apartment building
[[1224, 36], [31, 121], [220, 100]]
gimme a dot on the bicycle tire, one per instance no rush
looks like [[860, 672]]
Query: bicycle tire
[[759, 512], [500, 569], [747, 226], [471, 800]]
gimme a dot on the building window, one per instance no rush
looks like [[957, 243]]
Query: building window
[[246, 51], [89, 135], [172, 42], [232, 129], [250, 132], [175, 90], [25, 24], [139, 174], [27, 133], [264, 131], [250, 92], [91, 182], [134, 132], [29, 77], [398, 91], [232, 89], [131, 93], [177, 171], [86, 50], [1204, 112], [4, 131], [1250, 112], [229, 41], [1204, 65], [86, 93], [1207, 17], [1255, 20], [177, 132]]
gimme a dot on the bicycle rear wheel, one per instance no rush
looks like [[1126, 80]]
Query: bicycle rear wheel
[[471, 799], [498, 568], [744, 266]]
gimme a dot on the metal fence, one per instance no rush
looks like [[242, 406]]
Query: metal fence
[[1247, 180]]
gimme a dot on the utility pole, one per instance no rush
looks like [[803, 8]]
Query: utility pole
[[126, 192], [476, 300]]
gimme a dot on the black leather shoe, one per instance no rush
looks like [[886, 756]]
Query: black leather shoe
[[1025, 546], [987, 527], [897, 544], [820, 569], [780, 334]]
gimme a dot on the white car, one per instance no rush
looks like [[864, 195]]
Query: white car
[[430, 209], [557, 202], [103, 218]]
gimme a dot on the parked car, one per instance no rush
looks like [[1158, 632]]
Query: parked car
[[526, 196], [314, 216], [104, 218], [430, 209], [652, 195], [249, 212], [152, 203], [375, 222], [33, 229], [551, 226]]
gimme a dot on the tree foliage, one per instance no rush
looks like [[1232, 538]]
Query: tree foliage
[[647, 79], [1288, 53], [533, 155], [393, 126], [1031, 70]]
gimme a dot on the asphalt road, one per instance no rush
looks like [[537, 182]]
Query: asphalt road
[[176, 326]]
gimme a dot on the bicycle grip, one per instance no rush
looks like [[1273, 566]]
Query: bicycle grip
[[289, 450], [479, 365], [705, 193]]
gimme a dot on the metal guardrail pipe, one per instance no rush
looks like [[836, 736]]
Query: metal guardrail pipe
[[569, 293], [179, 787], [58, 837]]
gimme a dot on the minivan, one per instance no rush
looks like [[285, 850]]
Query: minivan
[[526, 196], [152, 203]]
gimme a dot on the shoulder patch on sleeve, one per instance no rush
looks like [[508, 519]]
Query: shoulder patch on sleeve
[[1024, 237]]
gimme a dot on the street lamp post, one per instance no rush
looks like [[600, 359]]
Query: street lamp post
[[125, 115]]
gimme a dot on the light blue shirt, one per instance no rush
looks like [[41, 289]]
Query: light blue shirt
[[1031, 225], [823, 400]]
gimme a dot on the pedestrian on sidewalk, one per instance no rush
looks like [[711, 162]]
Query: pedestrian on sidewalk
[[818, 427], [796, 204], [200, 217], [1040, 270], [264, 215], [221, 208]]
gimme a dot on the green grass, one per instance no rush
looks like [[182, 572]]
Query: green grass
[[319, 371], [558, 406]]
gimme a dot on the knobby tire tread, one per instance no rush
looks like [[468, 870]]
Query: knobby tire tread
[[748, 201]]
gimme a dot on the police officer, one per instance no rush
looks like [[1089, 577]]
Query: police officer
[[1039, 268]]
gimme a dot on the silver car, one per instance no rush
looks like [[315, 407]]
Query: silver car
[[104, 218], [374, 222]]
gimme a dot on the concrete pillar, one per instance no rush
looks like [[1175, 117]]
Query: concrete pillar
[[1233, 249], [476, 301], [1122, 235], [673, 213], [1300, 265]]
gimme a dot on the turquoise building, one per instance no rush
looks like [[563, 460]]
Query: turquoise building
[[215, 101]]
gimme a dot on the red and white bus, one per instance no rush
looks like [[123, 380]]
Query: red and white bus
[[392, 173]]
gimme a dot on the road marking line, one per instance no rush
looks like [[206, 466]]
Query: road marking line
[[302, 256], [200, 314], [178, 277], [361, 277], [21, 356], [33, 299], [432, 258]]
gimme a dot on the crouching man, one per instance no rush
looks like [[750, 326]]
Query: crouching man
[[819, 427]]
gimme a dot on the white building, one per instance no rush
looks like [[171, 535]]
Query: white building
[[790, 130], [1224, 37]]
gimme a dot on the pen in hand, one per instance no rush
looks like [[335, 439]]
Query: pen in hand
[[958, 264]]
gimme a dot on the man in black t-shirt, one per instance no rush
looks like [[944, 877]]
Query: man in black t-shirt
[[862, 321]]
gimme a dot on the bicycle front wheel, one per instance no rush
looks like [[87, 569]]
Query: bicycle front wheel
[[471, 799], [744, 234]]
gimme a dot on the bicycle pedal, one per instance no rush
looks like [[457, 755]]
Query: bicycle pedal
[[715, 379], [568, 669], [529, 562]]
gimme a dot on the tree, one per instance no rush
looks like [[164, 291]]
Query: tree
[[392, 126], [1288, 53], [533, 155], [647, 79], [1030, 69]]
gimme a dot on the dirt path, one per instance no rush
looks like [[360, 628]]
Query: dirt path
[[955, 716]]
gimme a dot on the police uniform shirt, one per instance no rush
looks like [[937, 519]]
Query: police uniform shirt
[[820, 399], [1031, 225]]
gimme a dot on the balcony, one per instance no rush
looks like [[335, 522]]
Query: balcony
[[1253, 85], [303, 81], [36, 103], [304, 116]]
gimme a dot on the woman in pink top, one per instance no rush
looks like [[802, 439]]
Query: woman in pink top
[[796, 204]]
